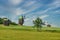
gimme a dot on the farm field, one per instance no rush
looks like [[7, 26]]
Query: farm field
[[28, 33]]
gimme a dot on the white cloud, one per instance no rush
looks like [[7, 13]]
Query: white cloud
[[42, 12], [55, 4], [29, 3], [31, 18], [57, 11], [43, 16], [3, 16], [51, 6], [19, 11], [15, 2], [27, 19], [48, 9], [33, 6], [28, 22]]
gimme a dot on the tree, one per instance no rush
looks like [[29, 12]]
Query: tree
[[7, 21], [1, 21], [48, 25], [38, 23], [13, 23]]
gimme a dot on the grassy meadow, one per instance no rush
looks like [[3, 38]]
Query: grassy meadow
[[16, 32]]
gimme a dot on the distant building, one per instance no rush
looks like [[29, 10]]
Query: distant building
[[6, 22], [47, 24]]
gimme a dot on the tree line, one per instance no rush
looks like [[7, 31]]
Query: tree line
[[37, 22], [6, 21]]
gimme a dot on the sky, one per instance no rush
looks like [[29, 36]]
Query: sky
[[47, 10]]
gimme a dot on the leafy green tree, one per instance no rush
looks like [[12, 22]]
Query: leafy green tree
[[38, 23], [1, 21]]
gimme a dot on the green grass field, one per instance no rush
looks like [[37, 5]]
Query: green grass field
[[28, 33]]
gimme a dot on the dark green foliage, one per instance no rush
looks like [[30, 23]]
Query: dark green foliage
[[51, 30], [13, 23], [1, 21], [48, 25], [6, 22], [38, 23]]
